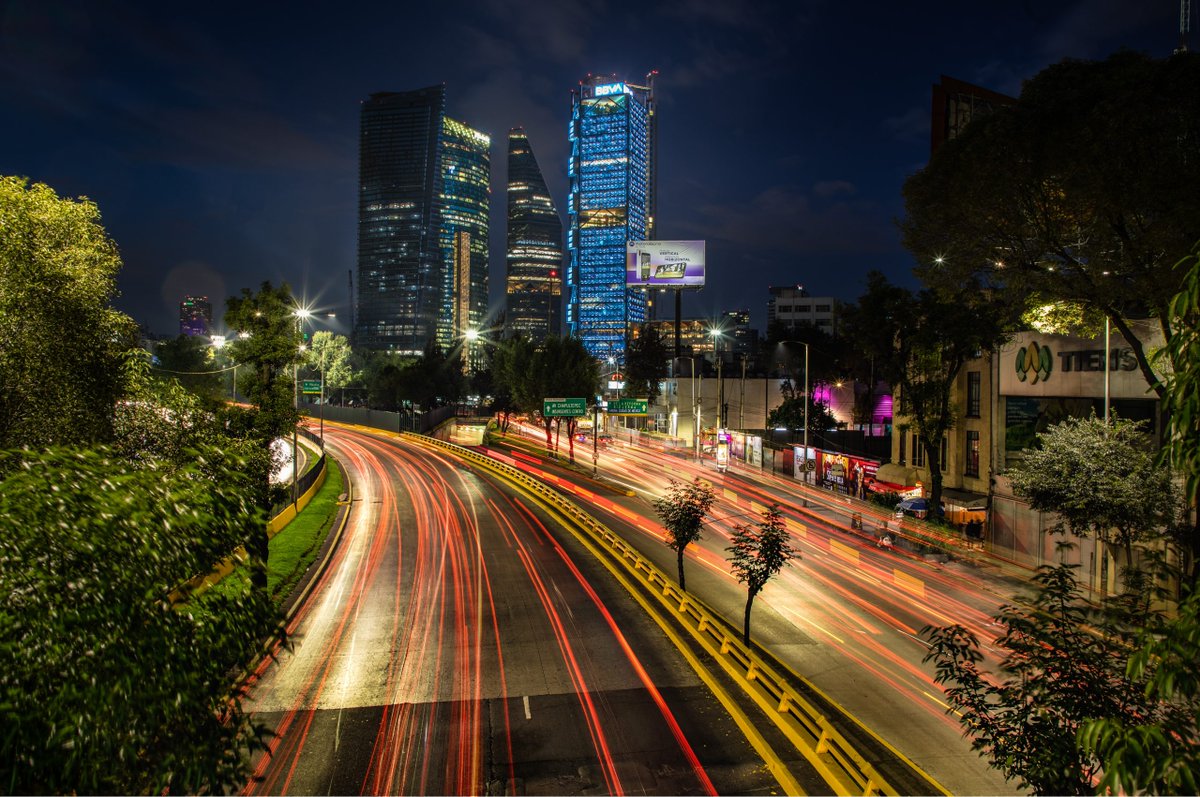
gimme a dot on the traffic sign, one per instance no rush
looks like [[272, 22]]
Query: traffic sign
[[310, 386], [564, 407], [628, 406]]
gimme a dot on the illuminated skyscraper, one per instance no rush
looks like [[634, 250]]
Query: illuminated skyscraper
[[422, 217], [464, 194], [611, 171], [535, 250], [195, 315]]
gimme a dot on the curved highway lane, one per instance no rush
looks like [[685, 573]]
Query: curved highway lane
[[847, 617], [455, 646]]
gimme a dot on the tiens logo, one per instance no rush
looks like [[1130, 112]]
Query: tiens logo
[[1034, 363]]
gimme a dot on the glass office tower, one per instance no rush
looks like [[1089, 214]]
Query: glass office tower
[[422, 224], [464, 193], [535, 252], [611, 202]]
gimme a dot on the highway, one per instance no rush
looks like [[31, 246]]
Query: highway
[[847, 618], [457, 644]]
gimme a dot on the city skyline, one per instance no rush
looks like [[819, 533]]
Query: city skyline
[[221, 156]]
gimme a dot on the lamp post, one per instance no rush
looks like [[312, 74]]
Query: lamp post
[[721, 420], [302, 314]]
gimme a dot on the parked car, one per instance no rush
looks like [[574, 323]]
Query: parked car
[[915, 507]]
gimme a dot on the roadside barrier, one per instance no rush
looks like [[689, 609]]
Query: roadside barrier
[[843, 768]]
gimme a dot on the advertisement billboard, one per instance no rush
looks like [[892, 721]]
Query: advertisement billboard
[[664, 264]]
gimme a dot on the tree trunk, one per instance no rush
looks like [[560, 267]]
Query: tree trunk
[[682, 583], [746, 624]]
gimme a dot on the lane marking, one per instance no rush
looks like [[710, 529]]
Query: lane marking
[[844, 551], [528, 716], [796, 527]]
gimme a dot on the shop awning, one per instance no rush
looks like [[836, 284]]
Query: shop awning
[[896, 474], [965, 499]]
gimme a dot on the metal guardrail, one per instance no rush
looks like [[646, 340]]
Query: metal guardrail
[[844, 769]]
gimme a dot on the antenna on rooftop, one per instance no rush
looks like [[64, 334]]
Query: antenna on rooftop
[[1185, 25]]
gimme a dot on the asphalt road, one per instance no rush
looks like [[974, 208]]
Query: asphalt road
[[847, 617], [458, 644]]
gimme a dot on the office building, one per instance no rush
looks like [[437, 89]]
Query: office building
[[534, 256], [792, 306], [955, 103], [464, 193], [195, 315], [422, 224], [612, 173]]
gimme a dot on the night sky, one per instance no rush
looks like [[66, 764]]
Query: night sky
[[220, 140]]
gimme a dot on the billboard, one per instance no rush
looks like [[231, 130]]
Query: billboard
[[664, 264]]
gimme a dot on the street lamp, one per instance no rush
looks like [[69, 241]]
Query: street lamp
[[722, 422]]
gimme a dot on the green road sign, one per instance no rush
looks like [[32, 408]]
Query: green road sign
[[310, 386], [627, 406], [563, 407]]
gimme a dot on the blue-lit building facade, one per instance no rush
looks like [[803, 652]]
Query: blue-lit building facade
[[611, 201], [422, 224]]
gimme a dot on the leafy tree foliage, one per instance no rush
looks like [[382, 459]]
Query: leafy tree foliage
[[682, 511], [61, 343], [1083, 192], [1182, 450], [1099, 480], [1064, 665], [757, 553], [104, 687], [557, 367], [869, 333], [190, 361], [790, 414], [1158, 757], [647, 363], [329, 355], [269, 353], [933, 334], [511, 359]]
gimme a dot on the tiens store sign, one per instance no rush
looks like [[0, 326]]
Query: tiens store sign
[[1034, 364]]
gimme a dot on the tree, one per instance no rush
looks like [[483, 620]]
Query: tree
[[682, 511], [790, 413], [869, 333], [1159, 757], [1099, 480], [104, 686], [190, 360], [61, 343], [647, 363], [511, 361], [759, 552], [270, 351], [1083, 192], [329, 355], [1182, 449], [1063, 666], [1164, 757], [933, 334]]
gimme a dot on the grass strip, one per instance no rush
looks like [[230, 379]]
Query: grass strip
[[295, 547]]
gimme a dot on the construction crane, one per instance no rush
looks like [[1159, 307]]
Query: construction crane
[[1185, 25]]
